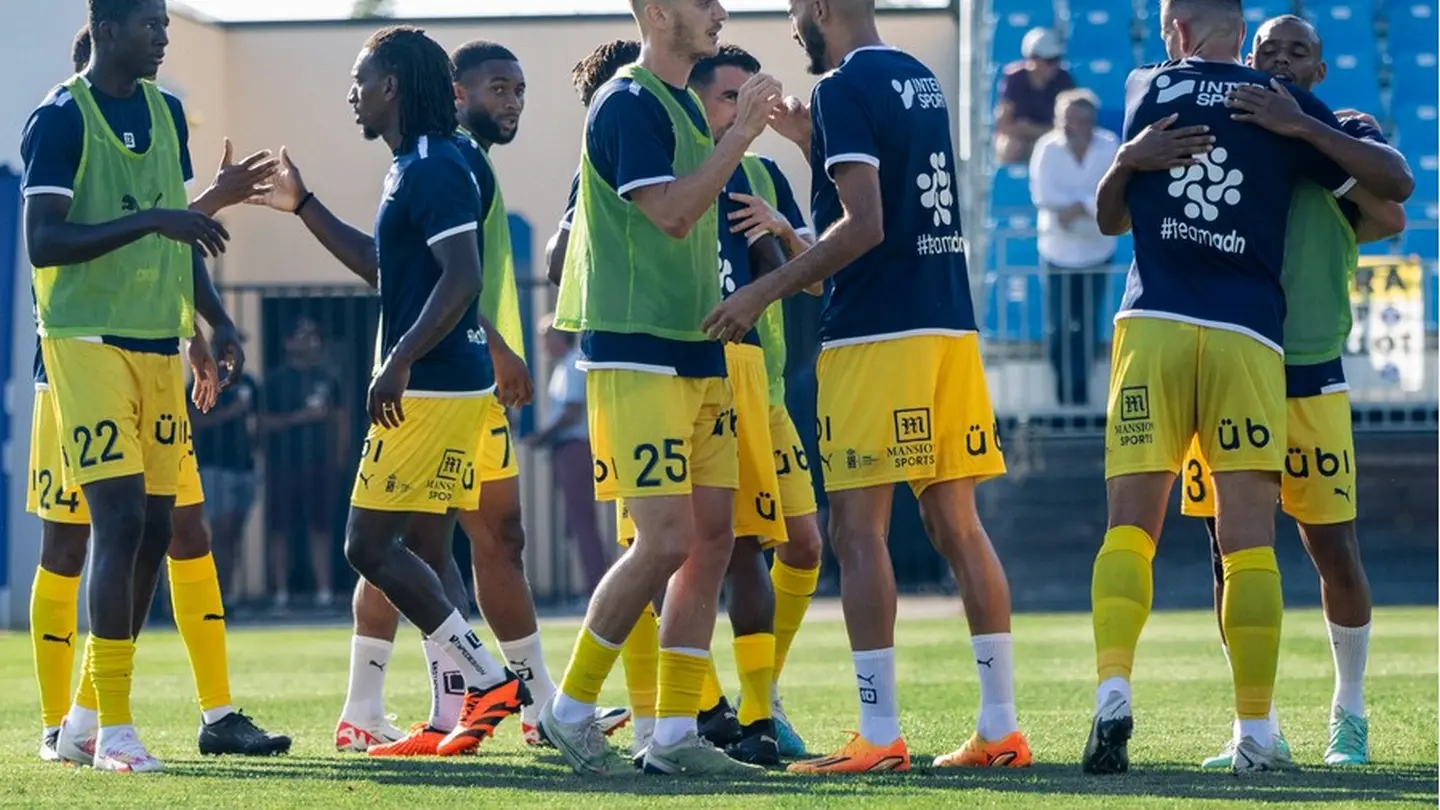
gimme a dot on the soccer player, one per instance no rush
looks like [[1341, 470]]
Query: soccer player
[[490, 89], [639, 275], [902, 392], [65, 516], [1318, 485], [433, 385], [1197, 352], [108, 227]]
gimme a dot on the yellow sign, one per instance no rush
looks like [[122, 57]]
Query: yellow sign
[[1387, 295]]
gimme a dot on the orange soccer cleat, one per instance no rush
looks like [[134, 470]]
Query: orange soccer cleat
[[1013, 751], [484, 709], [422, 741], [859, 756]]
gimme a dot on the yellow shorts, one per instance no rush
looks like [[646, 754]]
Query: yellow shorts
[[1318, 487], [118, 412], [655, 434], [912, 409], [792, 466], [497, 450], [1171, 382], [428, 463]]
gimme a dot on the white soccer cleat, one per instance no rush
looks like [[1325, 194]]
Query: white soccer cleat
[[76, 745], [1253, 757], [127, 754], [357, 738]]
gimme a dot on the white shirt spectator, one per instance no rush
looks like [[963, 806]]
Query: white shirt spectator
[[1059, 180], [567, 387]]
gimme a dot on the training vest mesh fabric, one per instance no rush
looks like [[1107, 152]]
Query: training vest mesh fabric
[[1320, 257], [499, 301], [771, 326], [145, 289], [622, 273]]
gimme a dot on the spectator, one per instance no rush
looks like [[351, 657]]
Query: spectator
[[1027, 96], [1065, 171], [224, 450], [567, 435], [306, 440]]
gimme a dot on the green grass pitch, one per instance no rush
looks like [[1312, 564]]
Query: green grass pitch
[[293, 680]]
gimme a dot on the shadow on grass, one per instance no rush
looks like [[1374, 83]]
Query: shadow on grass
[[549, 774]]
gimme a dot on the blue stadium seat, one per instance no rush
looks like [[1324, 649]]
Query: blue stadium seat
[[1352, 80], [1100, 28], [1010, 188], [1152, 48], [1415, 76], [1259, 11], [1342, 19], [1012, 20], [1425, 167], [1021, 253], [1415, 128], [1431, 291], [1412, 26], [1420, 241], [1014, 306], [1124, 251], [1104, 77], [1112, 118]]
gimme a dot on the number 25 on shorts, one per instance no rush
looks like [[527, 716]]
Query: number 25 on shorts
[[674, 466]]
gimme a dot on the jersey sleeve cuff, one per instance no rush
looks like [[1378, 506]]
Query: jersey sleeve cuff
[[1344, 188], [850, 157], [625, 190], [35, 191], [449, 232]]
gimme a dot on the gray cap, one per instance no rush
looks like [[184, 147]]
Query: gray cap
[[1042, 43]]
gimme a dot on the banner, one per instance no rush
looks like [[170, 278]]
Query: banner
[[1387, 295]]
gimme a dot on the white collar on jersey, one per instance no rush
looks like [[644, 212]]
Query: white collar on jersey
[[867, 48]]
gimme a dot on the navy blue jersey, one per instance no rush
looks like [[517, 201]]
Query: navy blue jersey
[[1210, 238], [430, 196], [484, 180], [735, 270], [569, 215], [784, 198], [54, 137], [881, 106], [631, 144]]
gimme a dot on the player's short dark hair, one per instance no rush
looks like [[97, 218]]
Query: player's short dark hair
[[1289, 18], [115, 11], [422, 69], [80, 50], [474, 54], [728, 56], [600, 66]]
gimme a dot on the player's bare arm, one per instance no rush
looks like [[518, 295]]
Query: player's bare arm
[[206, 386], [860, 228], [555, 256], [53, 241], [513, 386], [459, 284], [760, 217], [350, 246], [1379, 219], [676, 206], [235, 183], [1156, 148], [1376, 166], [224, 337]]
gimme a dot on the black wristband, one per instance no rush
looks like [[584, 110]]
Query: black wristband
[[309, 195]]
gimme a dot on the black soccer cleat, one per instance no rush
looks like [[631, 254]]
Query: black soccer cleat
[[235, 733], [758, 744], [1108, 749], [719, 725]]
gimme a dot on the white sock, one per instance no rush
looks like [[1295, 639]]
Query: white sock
[[1351, 647], [1259, 730], [671, 730], [995, 661], [1118, 685], [774, 691], [879, 704], [527, 660], [570, 711], [365, 698], [447, 687], [479, 667], [81, 720], [216, 714], [644, 727], [111, 736], [1273, 720]]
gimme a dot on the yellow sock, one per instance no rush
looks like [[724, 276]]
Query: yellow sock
[[54, 603], [710, 689], [112, 662], [681, 675], [200, 617], [85, 695], [1120, 596], [794, 588], [640, 656], [1251, 612], [590, 665], [755, 659]]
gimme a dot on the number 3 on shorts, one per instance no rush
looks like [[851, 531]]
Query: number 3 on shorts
[[676, 467]]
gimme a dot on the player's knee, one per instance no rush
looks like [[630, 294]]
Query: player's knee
[[856, 544], [803, 550], [122, 527], [364, 553], [62, 548], [190, 537]]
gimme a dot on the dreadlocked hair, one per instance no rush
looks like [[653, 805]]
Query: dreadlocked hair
[[80, 51], [600, 66], [422, 69]]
